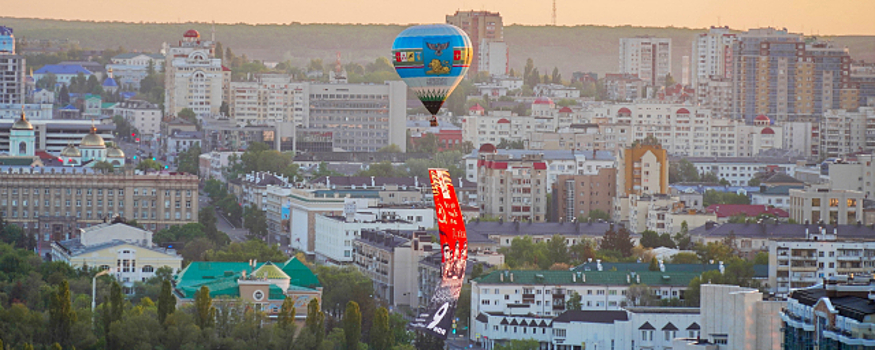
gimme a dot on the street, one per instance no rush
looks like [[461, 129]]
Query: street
[[222, 224]]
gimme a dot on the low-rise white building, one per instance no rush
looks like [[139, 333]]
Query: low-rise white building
[[334, 244], [142, 115]]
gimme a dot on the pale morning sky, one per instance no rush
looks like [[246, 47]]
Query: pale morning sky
[[825, 17]]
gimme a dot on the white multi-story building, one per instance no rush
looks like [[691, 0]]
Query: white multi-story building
[[820, 252], [844, 132], [646, 57], [712, 55], [734, 318], [372, 117], [854, 176], [836, 314], [819, 202], [42, 111], [13, 87], [142, 115], [54, 135], [739, 170], [193, 77], [629, 328], [141, 59], [494, 57], [270, 99], [334, 244]]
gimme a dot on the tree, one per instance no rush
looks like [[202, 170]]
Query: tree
[[573, 302], [669, 80], [682, 171], [682, 238], [382, 337], [762, 258], [654, 265], [649, 239], [166, 302], [255, 220], [117, 302], [685, 258], [61, 315], [556, 78], [381, 169], [251, 249], [104, 166], [640, 295], [205, 312], [189, 160], [393, 148], [557, 250], [148, 164], [505, 144], [618, 240], [286, 317], [352, 325], [187, 114], [754, 182], [314, 325], [597, 214]]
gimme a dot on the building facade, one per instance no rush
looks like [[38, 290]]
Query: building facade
[[480, 26], [712, 55], [13, 86], [193, 77], [142, 115], [647, 58], [270, 99], [578, 195], [391, 260], [818, 203], [834, 315], [512, 189], [56, 200]]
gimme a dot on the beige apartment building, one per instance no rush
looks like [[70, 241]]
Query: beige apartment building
[[512, 189], [55, 202], [391, 260], [578, 195], [819, 202]]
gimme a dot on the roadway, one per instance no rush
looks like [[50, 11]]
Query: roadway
[[222, 224]]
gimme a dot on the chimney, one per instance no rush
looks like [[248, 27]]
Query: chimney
[[721, 268], [598, 264], [511, 276], [373, 183], [638, 279], [807, 236], [501, 277], [416, 181], [516, 225], [328, 181], [574, 277], [661, 266]]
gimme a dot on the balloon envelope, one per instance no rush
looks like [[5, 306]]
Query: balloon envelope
[[432, 60]]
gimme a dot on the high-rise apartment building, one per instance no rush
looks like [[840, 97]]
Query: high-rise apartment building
[[844, 132], [193, 76], [270, 99], [12, 83], [712, 54], [493, 57], [777, 74], [646, 57], [512, 189], [479, 25]]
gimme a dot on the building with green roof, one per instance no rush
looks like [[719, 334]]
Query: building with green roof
[[266, 285]]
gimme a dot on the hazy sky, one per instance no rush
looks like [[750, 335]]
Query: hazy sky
[[836, 17]]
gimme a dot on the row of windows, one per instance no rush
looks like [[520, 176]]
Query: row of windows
[[90, 191]]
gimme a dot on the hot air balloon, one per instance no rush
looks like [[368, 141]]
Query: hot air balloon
[[432, 60]]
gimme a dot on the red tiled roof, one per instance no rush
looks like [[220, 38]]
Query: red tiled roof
[[225, 69], [543, 101], [503, 121], [624, 110], [761, 117], [728, 210], [566, 110], [476, 107], [540, 166], [683, 111]]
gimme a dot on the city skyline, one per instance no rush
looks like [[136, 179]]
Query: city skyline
[[840, 17]]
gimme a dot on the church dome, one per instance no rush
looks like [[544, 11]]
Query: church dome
[[115, 152], [92, 139], [22, 124], [70, 151]]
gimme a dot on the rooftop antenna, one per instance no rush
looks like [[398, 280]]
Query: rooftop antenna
[[554, 13]]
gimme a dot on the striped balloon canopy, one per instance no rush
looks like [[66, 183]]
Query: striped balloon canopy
[[432, 60]]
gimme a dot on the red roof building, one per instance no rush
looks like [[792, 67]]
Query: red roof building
[[725, 211]]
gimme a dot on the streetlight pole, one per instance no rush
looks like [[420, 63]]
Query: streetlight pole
[[94, 291]]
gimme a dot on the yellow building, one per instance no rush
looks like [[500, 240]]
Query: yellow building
[[644, 171], [125, 249]]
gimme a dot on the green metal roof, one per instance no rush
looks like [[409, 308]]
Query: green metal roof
[[221, 277], [271, 271], [550, 277]]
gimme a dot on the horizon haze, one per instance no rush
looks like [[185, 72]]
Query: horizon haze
[[810, 17]]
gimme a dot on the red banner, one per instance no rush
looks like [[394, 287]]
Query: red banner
[[438, 316]]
